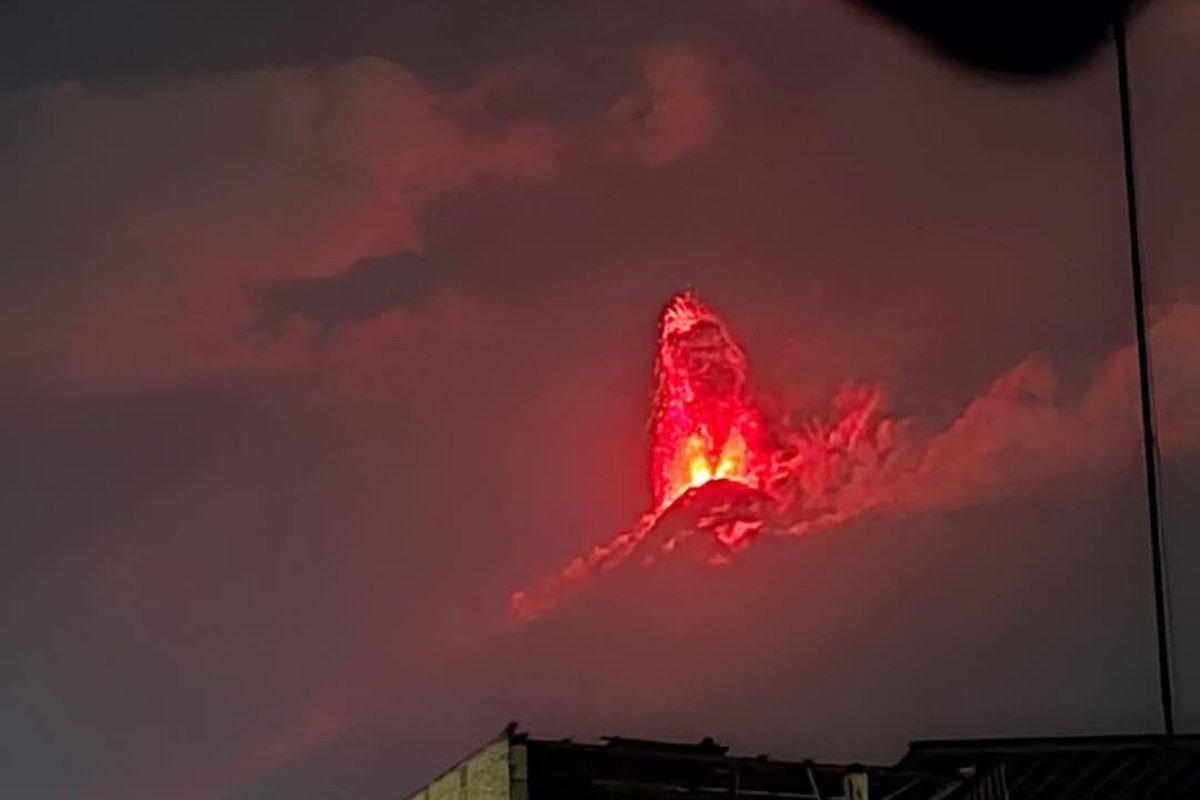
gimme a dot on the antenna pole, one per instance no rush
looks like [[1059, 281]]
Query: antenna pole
[[1149, 438]]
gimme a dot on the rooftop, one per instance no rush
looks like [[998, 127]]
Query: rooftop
[[620, 768]]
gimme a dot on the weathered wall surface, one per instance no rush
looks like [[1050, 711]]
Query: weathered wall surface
[[484, 775]]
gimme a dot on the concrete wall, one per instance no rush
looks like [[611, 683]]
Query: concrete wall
[[484, 775]]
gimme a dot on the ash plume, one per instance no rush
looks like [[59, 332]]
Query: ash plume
[[724, 474]]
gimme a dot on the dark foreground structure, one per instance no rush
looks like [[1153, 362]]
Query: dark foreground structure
[[517, 767]]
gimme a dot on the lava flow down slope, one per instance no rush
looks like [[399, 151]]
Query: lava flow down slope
[[720, 471]]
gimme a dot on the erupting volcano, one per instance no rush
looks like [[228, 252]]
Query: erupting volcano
[[704, 425], [716, 466]]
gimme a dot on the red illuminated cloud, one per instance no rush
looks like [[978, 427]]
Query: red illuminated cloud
[[723, 473], [677, 111], [176, 195], [1027, 428]]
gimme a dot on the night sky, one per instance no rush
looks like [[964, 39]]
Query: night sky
[[326, 327]]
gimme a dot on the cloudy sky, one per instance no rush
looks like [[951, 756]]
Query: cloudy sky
[[323, 330]]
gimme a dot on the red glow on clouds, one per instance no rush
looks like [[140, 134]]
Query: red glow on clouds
[[718, 468], [724, 472]]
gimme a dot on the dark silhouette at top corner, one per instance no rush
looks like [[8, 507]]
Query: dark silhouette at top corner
[[1024, 38]]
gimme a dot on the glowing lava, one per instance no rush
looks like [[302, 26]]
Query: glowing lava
[[704, 425], [716, 469]]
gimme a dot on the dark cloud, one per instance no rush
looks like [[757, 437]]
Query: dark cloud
[[60, 40], [68, 39], [365, 290]]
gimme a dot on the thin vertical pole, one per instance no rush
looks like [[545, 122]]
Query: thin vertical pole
[[1149, 439]]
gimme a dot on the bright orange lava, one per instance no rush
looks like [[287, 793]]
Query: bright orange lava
[[714, 467], [704, 426]]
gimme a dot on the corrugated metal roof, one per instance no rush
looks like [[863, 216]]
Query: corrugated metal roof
[[1104, 768], [1096, 768], [635, 769]]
